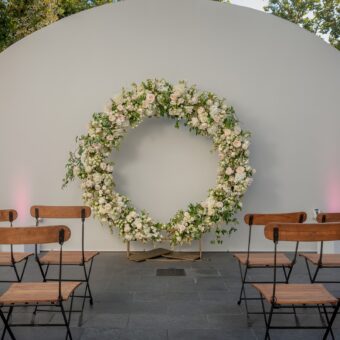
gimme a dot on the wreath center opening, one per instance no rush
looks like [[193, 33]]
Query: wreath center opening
[[162, 169]]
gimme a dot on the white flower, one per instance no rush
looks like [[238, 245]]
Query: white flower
[[219, 205], [76, 170], [229, 171], [150, 97], [237, 130], [227, 132], [195, 122], [89, 183], [240, 170], [103, 166], [239, 177], [200, 110], [237, 143], [245, 145]]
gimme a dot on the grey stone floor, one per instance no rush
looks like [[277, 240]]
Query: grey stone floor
[[131, 302]]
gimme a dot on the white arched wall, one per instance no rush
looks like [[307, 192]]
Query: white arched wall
[[282, 80]]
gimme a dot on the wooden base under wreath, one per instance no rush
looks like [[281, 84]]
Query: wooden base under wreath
[[163, 254]]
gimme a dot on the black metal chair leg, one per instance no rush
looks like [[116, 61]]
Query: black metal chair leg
[[327, 319], [87, 288], [6, 326], [68, 334], [243, 278], [264, 314], [267, 336], [329, 328]]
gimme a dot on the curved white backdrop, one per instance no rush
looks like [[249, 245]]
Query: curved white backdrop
[[283, 82]]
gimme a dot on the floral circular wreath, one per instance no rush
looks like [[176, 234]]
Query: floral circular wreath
[[205, 114]]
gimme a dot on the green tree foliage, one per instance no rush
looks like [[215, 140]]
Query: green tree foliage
[[321, 17], [19, 18]]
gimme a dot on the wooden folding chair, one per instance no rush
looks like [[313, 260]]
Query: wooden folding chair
[[11, 258], [23, 294], [322, 261], [309, 295], [255, 260], [71, 258]]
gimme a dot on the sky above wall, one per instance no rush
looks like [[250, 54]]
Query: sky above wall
[[256, 4]]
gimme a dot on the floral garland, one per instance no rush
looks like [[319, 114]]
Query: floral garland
[[205, 114]]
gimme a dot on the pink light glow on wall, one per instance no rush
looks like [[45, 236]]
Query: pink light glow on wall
[[333, 191], [21, 197]]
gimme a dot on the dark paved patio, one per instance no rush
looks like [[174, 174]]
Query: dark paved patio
[[131, 302]]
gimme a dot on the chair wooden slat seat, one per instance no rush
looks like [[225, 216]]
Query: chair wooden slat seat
[[328, 260], [6, 259], [37, 292], [296, 293], [69, 257], [263, 259]]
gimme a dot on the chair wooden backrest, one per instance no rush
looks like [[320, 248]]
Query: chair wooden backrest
[[263, 219], [49, 211], [32, 235], [8, 215], [328, 217], [52, 211], [325, 218], [308, 232]]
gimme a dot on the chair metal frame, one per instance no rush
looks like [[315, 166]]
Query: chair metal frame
[[273, 232], [87, 269], [250, 219], [322, 218], [11, 215], [60, 238]]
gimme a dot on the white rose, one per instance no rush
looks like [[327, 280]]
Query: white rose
[[219, 205], [240, 170], [229, 171], [108, 206], [173, 97], [237, 143], [150, 97], [227, 132], [89, 183], [200, 110]]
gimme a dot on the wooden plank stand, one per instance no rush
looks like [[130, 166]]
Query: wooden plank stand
[[163, 254]]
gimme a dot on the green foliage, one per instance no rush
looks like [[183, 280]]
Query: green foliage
[[19, 18], [321, 17]]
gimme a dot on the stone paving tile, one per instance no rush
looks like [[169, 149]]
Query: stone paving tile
[[131, 302]]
